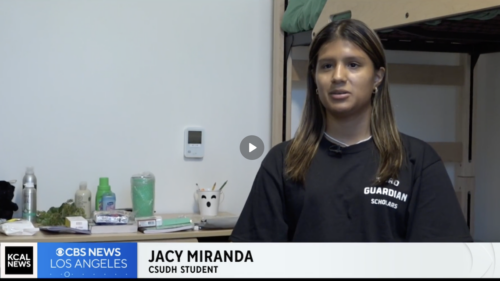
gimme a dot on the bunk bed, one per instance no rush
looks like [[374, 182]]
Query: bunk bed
[[468, 27], [473, 29]]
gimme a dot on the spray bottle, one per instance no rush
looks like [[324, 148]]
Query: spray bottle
[[29, 176], [29, 202]]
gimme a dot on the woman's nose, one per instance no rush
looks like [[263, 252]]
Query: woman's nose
[[339, 74]]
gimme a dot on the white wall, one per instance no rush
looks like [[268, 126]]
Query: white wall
[[487, 149], [95, 89], [425, 112]]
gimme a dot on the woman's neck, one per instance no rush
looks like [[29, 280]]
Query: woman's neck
[[349, 130]]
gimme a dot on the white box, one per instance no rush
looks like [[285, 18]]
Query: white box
[[77, 222], [149, 221]]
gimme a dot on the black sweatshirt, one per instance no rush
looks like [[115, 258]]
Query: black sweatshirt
[[340, 203]]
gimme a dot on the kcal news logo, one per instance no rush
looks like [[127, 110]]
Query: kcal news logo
[[18, 260], [88, 260]]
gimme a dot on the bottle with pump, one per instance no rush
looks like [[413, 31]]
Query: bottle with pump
[[29, 202], [83, 199], [29, 176]]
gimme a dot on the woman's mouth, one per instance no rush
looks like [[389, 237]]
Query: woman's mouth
[[339, 94]]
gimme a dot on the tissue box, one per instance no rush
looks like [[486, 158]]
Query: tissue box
[[77, 222]]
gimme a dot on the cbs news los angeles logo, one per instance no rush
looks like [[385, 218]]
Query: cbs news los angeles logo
[[18, 260]]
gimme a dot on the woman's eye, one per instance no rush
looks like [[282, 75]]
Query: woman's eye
[[353, 64], [327, 66]]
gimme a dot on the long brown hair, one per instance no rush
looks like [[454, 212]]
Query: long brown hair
[[382, 124]]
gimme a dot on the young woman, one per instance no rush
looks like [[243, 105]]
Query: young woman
[[349, 175]]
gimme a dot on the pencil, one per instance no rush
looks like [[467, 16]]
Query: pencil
[[214, 186], [222, 186]]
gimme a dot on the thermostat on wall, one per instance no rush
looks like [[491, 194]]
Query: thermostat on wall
[[194, 143]]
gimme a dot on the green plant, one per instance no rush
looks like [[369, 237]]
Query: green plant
[[56, 216]]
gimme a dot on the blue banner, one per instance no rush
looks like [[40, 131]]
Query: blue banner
[[87, 260]]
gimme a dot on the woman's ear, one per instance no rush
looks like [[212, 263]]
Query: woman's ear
[[379, 76]]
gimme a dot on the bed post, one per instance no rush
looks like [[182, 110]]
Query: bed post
[[278, 74], [288, 97], [464, 171]]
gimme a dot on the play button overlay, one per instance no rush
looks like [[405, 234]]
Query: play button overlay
[[252, 147]]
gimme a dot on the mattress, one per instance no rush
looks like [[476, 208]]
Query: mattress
[[302, 15]]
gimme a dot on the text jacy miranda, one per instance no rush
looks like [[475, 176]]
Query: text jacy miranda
[[201, 256]]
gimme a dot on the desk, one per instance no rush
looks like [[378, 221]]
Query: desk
[[182, 236]]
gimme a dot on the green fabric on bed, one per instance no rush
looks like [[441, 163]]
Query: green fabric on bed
[[301, 15]]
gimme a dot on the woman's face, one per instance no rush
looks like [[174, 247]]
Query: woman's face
[[346, 78]]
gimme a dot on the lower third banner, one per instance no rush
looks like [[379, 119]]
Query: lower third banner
[[249, 260], [318, 260], [87, 260]]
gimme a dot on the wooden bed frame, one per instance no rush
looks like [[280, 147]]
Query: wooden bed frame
[[403, 16]]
